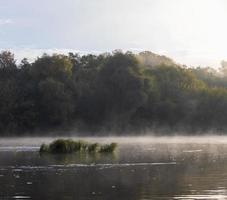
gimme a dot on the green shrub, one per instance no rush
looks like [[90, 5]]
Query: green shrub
[[44, 148], [108, 148], [60, 146], [83, 146], [70, 146], [94, 147]]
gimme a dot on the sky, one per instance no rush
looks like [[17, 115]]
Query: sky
[[192, 32]]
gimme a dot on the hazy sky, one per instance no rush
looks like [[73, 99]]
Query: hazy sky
[[193, 32]]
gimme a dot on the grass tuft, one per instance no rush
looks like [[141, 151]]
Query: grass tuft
[[108, 148], [70, 146]]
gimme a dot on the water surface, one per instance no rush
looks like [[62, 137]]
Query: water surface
[[141, 169]]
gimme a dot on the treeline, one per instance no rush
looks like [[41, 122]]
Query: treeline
[[112, 92]]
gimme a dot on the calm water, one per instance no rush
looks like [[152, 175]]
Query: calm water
[[142, 168]]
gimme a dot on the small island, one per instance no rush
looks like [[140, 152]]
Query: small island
[[66, 146]]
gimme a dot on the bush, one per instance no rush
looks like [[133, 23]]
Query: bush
[[70, 146], [94, 147], [44, 148], [108, 148]]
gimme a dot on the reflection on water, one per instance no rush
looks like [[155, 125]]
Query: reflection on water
[[141, 169]]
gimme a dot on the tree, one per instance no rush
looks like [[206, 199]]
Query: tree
[[7, 60], [120, 88], [56, 106], [58, 67]]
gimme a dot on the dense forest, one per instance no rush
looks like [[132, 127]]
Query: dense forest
[[115, 92]]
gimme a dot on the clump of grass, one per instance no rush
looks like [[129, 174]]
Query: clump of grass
[[61, 146], [108, 148], [94, 147], [69, 146], [44, 148]]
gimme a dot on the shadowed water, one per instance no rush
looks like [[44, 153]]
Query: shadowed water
[[141, 169]]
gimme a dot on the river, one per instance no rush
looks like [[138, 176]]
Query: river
[[142, 168]]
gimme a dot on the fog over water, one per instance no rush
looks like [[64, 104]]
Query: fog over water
[[37, 141], [177, 167]]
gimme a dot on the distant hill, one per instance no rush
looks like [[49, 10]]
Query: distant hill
[[150, 59]]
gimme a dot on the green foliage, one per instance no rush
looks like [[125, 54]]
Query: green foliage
[[112, 92], [7, 60], [58, 67], [150, 60], [69, 146], [94, 147], [44, 148], [108, 148], [55, 94], [210, 76]]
